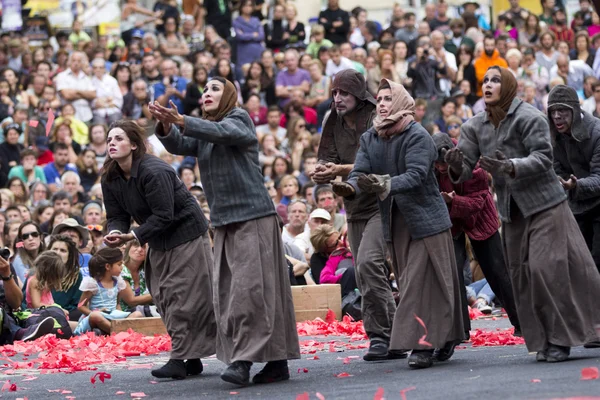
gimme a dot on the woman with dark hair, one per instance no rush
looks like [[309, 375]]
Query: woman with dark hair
[[466, 70], [42, 213], [281, 166], [122, 73], [583, 51], [192, 102], [269, 75], [26, 247], [19, 190], [249, 34], [171, 43], [223, 70], [133, 273], [254, 83], [143, 187], [87, 168], [530, 34], [97, 142], [554, 277], [256, 321]]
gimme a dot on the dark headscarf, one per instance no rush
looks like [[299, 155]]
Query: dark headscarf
[[565, 96], [354, 83], [227, 103], [508, 91]]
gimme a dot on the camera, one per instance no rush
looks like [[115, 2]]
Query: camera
[[5, 253]]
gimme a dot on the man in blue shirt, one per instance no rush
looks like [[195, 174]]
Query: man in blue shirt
[[54, 171], [172, 87]]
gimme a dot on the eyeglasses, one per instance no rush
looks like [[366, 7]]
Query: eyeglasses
[[95, 228], [453, 126], [26, 236]]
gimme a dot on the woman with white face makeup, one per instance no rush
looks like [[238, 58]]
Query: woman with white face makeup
[[416, 224], [252, 295], [554, 276]]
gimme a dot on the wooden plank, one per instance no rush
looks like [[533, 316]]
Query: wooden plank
[[147, 326], [313, 301]]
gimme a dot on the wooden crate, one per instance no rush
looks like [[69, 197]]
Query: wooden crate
[[147, 326], [313, 301]]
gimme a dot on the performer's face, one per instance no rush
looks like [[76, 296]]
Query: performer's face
[[119, 145], [492, 85], [212, 95], [343, 101], [384, 102], [562, 118]]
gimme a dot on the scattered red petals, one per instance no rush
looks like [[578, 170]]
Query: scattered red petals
[[120, 392], [234, 392], [305, 370], [498, 337], [403, 391], [303, 396], [320, 396], [343, 375], [330, 317], [66, 392], [59, 331], [422, 340], [379, 394], [101, 375], [138, 394], [536, 381], [589, 373], [345, 327], [10, 387]]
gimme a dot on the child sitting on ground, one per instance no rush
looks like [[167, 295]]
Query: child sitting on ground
[[102, 292], [47, 276]]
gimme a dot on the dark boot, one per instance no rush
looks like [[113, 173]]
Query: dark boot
[[518, 332], [557, 353], [174, 369], [541, 356], [238, 373], [378, 350], [397, 354], [445, 352], [592, 345], [274, 371], [420, 359], [193, 367]]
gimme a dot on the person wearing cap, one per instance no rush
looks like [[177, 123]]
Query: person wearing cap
[[28, 171], [316, 218], [80, 235], [576, 140], [555, 280], [10, 149], [473, 214], [352, 114]]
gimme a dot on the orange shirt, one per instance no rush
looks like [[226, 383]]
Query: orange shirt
[[483, 63]]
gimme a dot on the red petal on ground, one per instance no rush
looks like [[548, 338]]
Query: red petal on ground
[[138, 394], [536, 381], [66, 392], [343, 375], [320, 396], [422, 340], [6, 386], [120, 392], [379, 394], [589, 373], [403, 391], [499, 337], [305, 370], [234, 392], [330, 317], [30, 378], [303, 396], [13, 388], [474, 313]]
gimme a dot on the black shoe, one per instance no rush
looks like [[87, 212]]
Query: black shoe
[[274, 371], [592, 345], [193, 367], [174, 369], [238, 373], [445, 352], [397, 354], [378, 350], [518, 332], [541, 356], [557, 353], [36, 331], [420, 359]]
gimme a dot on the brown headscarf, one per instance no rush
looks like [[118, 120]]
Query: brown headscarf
[[508, 92], [228, 101], [401, 114]]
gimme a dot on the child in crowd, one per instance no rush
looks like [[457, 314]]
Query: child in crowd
[[102, 292], [47, 276]]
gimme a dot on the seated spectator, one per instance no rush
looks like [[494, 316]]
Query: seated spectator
[[481, 296], [39, 194], [87, 169], [448, 109], [109, 100], [453, 127], [309, 160], [224, 70], [272, 126], [463, 110], [317, 41], [385, 69], [289, 192], [192, 102], [42, 213], [97, 143], [257, 113], [135, 104], [320, 85], [187, 175], [31, 245], [71, 183], [8, 199], [337, 62], [300, 147], [327, 200], [19, 190], [529, 96], [339, 264], [76, 87], [254, 83], [62, 133], [10, 149], [316, 218], [53, 171], [297, 214], [171, 43], [134, 258], [45, 277], [269, 149], [79, 129], [28, 171], [13, 213], [80, 235]]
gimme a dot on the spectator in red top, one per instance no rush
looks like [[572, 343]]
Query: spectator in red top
[[560, 28], [298, 99]]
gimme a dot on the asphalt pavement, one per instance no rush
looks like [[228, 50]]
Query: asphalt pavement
[[503, 372]]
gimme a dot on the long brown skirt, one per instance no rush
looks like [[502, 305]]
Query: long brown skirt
[[252, 294], [428, 289], [180, 284], [554, 278]]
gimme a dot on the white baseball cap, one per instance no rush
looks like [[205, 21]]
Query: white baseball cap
[[320, 213]]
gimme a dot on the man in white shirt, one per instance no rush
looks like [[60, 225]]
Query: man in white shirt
[[109, 99], [76, 87], [337, 62], [297, 212], [442, 55], [573, 72], [590, 105], [317, 218]]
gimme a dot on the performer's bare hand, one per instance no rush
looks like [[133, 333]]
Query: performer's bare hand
[[325, 173], [117, 239], [570, 184], [497, 166], [454, 158], [343, 189], [448, 197]]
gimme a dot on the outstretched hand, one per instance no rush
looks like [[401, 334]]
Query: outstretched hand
[[166, 116], [570, 184], [343, 189], [499, 165]]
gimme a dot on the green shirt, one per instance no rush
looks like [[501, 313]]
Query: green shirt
[[126, 275], [70, 299], [81, 37], [19, 172], [313, 47]]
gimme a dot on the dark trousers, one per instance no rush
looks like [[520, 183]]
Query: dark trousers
[[589, 224], [348, 281], [490, 255], [460, 252]]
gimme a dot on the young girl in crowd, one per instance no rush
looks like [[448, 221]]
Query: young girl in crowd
[[102, 292], [46, 276], [68, 295]]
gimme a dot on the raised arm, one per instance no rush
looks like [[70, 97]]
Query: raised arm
[[234, 130], [175, 142]]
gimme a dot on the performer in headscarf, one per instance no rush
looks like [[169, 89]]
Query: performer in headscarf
[[252, 295], [178, 272], [352, 114], [395, 162], [554, 277], [576, 139]]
